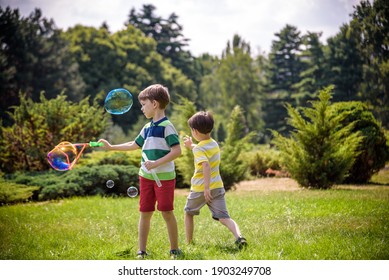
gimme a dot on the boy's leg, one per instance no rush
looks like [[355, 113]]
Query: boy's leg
[[144, 229], [189, 227], [232, 226], [172, 228]]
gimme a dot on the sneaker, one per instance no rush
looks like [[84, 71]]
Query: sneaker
[[141, 254], [176, 253], [241, 242]]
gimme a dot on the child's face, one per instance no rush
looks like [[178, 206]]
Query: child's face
[[148, 107], [195, 134]]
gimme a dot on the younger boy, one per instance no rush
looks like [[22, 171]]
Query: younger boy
[[206, 184], [160, 142]]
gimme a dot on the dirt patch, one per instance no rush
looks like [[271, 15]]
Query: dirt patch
[[282, 184], [262, 184]]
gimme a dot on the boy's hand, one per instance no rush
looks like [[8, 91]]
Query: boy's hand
[[105, 142], [150, 164], [207, 195], [188, 142]]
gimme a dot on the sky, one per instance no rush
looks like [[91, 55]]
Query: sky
[[209, 24]]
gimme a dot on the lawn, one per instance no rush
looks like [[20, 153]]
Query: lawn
[[279, 220]]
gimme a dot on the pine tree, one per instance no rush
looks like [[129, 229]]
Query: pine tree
[[318, 154]]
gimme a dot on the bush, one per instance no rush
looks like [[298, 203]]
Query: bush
[[82, 181], [14, 193], [262, 159], [373, 150], [39, 126], [320, 151], [232, 167]]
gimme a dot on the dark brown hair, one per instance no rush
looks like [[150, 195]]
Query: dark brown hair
[[156, 92], [201, 121]]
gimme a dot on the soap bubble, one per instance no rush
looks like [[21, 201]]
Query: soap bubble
[[110, 184], [132, 191], [62, 156], [118, 101]]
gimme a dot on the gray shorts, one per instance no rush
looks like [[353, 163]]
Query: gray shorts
[[218, 207]]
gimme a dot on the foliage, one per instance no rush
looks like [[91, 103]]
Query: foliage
[[39, 126], [284, 61], [373, 150], [15, 193], [344, 63], [371, 19], [319, 152], [185, 163], [34, 58], [232, 167], [261, 159], [233, 81], [168, 35], [81, 181]]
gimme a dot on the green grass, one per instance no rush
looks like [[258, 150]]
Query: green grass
[[338, 224]]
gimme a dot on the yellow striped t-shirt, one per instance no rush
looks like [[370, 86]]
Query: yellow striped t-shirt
[[206, 150]]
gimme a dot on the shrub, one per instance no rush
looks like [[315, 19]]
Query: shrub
[[373, 150], [39, 126], [320, 151], [232, 167], [82, 181], [262, 159], [14, 193]]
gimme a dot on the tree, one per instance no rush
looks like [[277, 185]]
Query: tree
[[127, 59], [312, 75], [39, 126], [284, 60], [232, 167], [234, 82], [373, 150], [319, 152], [371, 20], [183, 110], [344, 64], [34, 57], [167, 33]]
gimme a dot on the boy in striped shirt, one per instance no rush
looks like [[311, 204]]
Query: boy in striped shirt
[[206, 184], [159, 141]]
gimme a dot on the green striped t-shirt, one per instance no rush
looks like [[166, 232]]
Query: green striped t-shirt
[[156, 140]]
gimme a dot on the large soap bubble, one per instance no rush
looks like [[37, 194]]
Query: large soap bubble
[[62, 156], [118, 101]]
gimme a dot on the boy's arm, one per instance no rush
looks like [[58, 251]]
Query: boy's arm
[[129, 146], [207, 180], [174, 153]]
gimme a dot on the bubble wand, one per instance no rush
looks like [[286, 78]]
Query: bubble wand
[[65, 155], [156, 179]]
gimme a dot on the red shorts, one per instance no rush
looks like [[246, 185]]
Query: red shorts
[[150, 193]]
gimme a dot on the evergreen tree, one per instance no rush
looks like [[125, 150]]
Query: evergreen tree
[[318, 153], [344, 64], [372, 21], [373, 150], [312, 76], [233, 82], [168, 34], [232, 167], [284, 60], [183, 110], [34, 57]]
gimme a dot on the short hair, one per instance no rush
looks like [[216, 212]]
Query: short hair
[[202, 121], [156, 92]]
